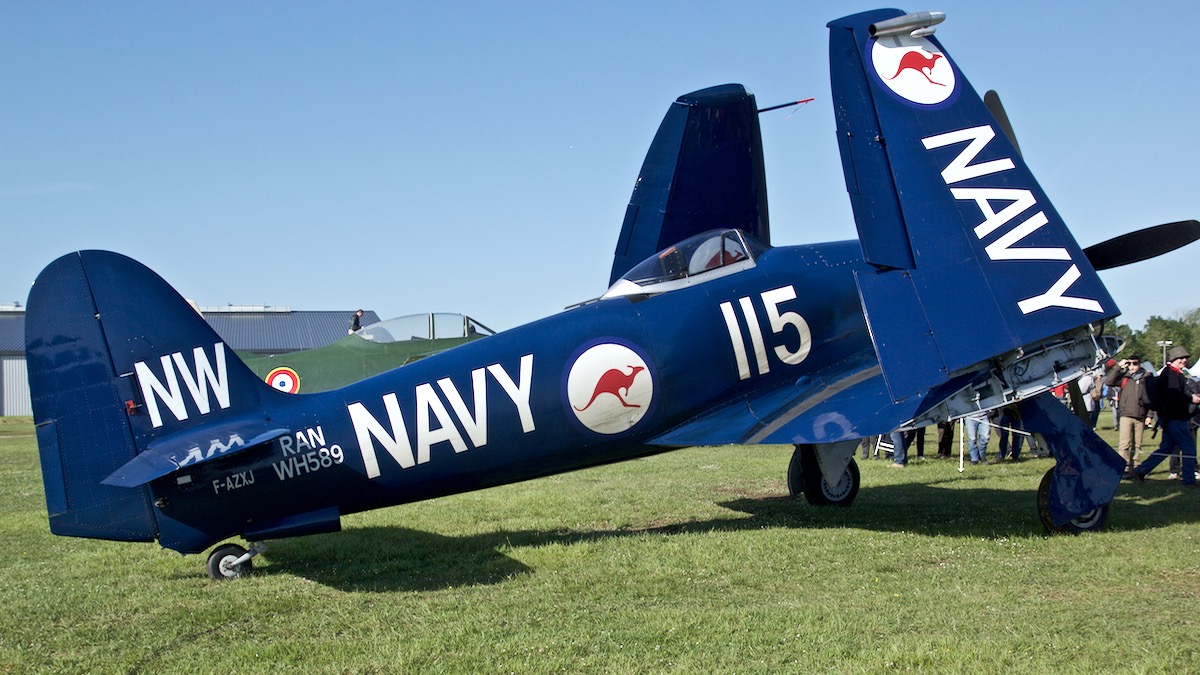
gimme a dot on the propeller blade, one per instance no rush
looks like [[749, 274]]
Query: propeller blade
[[992, 100], [1143, 244], [1127, 248]]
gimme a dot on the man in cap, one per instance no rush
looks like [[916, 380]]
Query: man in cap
[[1133, 406], [1172, 399]]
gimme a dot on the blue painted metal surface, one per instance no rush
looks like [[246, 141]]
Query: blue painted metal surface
[[704, 170], [1087, 472], [949, 213], [184, 450], [78, 405], [804, 344]]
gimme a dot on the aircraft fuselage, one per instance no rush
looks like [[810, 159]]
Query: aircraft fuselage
[[586, 387]]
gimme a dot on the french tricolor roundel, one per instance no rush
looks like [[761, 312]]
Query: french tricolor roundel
[[284, 379], [913, 68]]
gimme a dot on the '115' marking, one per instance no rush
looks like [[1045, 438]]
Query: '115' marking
[[779, 322]]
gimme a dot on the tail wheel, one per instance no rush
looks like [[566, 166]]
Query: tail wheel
[[221, 565], [1091, 521], [804, 477]]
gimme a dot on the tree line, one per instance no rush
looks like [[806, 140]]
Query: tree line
[[1183, 330]]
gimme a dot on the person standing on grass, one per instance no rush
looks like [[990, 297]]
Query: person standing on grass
[[1133, 407], [1111, 399], [1092, 389], [899, 450], [1193, 424], [1173, 400], [1010, 422], [868, 445], [916, 438], [977, 428], [945, 439]]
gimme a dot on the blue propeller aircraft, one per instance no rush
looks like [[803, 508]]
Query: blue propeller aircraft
[[964, 292]]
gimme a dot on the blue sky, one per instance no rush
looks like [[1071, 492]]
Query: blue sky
[[477, 157]]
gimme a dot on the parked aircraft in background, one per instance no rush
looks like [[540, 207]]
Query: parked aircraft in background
[[964, 292], [376, 348]]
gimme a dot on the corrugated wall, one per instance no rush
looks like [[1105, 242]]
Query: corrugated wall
[[259, 332], [14, 387]]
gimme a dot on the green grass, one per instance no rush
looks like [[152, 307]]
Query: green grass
[[692, 561]]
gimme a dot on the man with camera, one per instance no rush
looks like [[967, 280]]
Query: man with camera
[[1133, 406]]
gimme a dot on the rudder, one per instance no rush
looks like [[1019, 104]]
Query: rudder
[[704, 170], [125, 376], [82, 427]]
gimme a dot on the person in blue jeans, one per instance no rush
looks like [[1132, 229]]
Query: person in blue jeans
[[899, 450], [977, 429], [1172, 400]]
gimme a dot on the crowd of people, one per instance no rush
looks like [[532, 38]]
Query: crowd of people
[[1146, 408]]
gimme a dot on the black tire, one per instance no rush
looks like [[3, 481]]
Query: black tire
[[795, 475], [1092, 521], [804, 477], [227, 554]]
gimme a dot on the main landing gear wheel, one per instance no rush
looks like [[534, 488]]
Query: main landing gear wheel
[[805, 477], [221, 563], [1091, 521]]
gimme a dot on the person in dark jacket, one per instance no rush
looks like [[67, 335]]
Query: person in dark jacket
[[945, 439], [1008, 425], [1133, 407], [1173, 401], [1193, 424]]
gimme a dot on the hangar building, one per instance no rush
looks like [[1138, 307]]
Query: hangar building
[[259, 329]]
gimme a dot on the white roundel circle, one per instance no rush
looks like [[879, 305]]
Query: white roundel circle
[[913, 68], [609, 388], [284, 379]]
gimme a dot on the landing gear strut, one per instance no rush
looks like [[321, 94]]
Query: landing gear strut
[[231, 561], [808, 474], [1091, 521]]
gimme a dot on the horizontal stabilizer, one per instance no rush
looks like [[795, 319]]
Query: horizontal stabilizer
[[195, 446], [961, 235]]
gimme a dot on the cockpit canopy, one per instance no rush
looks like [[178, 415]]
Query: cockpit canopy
[[708, 255], [434, 326]]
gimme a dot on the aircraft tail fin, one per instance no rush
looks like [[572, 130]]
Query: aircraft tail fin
[[704, 170], [128, 384], [970, 260]]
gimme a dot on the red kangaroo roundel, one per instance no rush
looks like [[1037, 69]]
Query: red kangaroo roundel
[[609, 388], [913, 68]]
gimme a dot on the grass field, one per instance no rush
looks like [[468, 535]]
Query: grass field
[[693, 561]]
